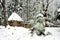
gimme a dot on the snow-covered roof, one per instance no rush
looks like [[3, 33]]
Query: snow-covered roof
[[59, 10], [15, 16], [39, 15]]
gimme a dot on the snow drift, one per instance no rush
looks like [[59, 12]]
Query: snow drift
[[21, 33]]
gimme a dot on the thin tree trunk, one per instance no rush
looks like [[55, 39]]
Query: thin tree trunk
[[4, 12]]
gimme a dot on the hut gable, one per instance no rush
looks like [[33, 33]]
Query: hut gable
[[15, 16]]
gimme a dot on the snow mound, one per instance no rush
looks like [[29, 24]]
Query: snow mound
[[2, 27], [39, 15], [15, 16]]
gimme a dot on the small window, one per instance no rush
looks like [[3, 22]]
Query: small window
[[18, 22]]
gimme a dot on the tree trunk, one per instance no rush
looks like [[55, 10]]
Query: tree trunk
[[4, 12]]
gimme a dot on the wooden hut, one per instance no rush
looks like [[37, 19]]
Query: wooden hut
[[15, 20]]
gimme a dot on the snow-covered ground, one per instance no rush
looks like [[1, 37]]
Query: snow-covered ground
[[20, 33]]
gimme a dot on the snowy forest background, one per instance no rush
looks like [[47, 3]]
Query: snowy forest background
[[29, 8]]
